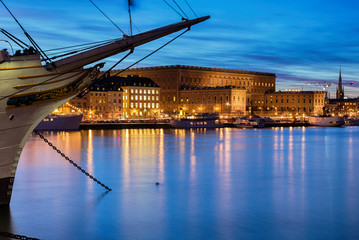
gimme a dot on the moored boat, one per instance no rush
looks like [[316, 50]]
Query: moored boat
[[203, 120], [326, 121], [58, 122], [351, 122], [244, 122]]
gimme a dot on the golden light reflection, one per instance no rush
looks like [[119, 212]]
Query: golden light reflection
[[193, 156], [290, 150], [90, 168], [302, 159], [126, 166], [180, 133], [161, 157]]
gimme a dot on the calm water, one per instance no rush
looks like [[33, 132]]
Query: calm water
[[289, 183]]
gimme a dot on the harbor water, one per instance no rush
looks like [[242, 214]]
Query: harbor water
[[276, 183]]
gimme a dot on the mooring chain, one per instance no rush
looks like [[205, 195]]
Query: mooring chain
[[70, 161], [15, 236]]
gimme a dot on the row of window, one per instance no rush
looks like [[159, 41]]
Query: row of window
[[140, 97], [144, 91], [144, 105]]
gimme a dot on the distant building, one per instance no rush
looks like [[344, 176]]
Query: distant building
[[103, 100], [119, 97], [141, 96], [343, 107], [223, 100], [175, 79], [294, 103]]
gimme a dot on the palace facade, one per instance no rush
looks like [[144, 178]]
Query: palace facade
[[176, 81]]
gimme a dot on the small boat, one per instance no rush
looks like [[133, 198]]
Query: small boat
[[351, 122], [202, 120], [60, 122], [326, 121], [244, 122]]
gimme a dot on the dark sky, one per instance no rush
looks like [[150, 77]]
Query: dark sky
[[298, 40]]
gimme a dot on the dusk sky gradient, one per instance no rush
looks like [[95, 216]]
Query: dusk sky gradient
[[299, 41]]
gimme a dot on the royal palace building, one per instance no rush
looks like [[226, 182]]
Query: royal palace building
[[180, 82]]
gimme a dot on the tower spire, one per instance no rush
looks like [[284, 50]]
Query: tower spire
[[340, 89]]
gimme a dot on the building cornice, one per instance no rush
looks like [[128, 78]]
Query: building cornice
[[208, 69]]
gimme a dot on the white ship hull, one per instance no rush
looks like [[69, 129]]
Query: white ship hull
[[21, 112], [326, 121]]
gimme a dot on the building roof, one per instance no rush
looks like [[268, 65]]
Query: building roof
[[159, 68], [115, 83]]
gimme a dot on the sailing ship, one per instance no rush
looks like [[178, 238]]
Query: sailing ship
[[33, 85]]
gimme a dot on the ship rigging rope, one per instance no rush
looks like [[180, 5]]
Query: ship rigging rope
[[35, 45], [71, 161], [173, 8], [151, 53], [108, 17], [40, 83], [180, 8], [191, 8]]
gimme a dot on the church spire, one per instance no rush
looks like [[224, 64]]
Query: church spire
[[340, 89]]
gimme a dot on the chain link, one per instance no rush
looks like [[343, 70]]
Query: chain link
[[71, 161], [15, 236]]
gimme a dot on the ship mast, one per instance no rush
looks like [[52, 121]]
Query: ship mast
[[128, 42]]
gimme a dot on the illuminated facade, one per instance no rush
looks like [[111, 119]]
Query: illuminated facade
[[120, 97], [173, 80], [343, 107], [101, 102], [294, 103], [141, 97], [223, 100]]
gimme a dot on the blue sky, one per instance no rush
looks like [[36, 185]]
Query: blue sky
[[298, 40]]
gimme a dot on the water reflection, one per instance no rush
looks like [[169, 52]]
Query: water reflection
[[214, 184]]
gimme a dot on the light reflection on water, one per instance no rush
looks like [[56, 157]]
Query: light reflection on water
[[281, 183]]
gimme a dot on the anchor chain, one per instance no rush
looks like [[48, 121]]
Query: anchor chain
[[15, 236], [71, 161]]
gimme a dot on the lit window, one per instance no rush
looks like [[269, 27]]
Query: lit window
[[131, 90], [153, 91], [144, 91], [144, 98]]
